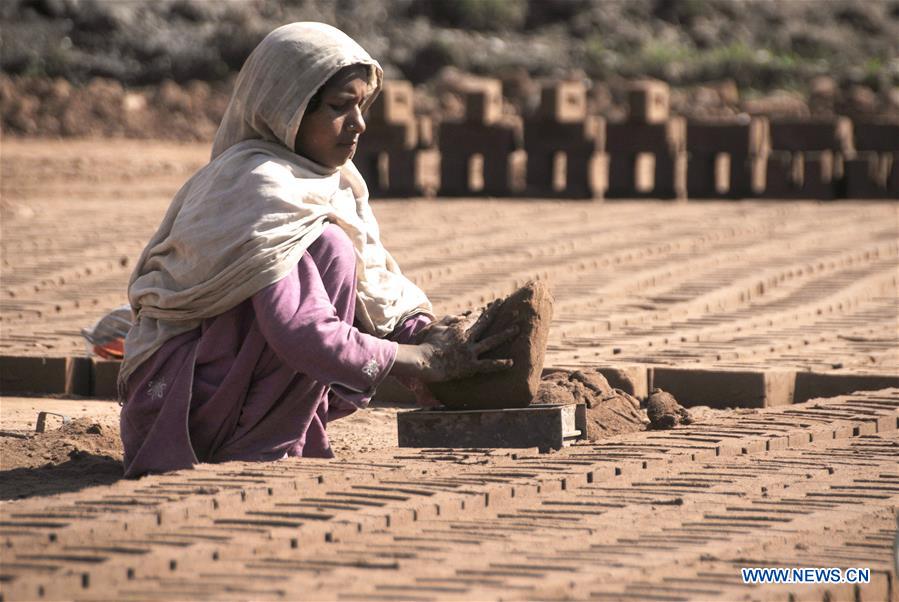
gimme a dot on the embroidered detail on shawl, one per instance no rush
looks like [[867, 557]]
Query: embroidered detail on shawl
[[156, 388], [371, 368]]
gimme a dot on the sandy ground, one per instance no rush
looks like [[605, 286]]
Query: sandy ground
[[81, 447]]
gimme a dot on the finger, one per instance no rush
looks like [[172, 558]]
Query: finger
[[484, 320], [448, 320], [488, 366], [495, 340]]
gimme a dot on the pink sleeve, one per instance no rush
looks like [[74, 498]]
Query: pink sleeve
[[407, 332], [302, 326]]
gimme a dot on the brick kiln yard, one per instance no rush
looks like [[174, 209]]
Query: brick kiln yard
[[759, 305]]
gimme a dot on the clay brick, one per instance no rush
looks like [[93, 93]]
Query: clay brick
[[578, 145], [588, 135], [728, 137], [745, 176], [811, 385], [388, 136], [33, 374], [892, 186], [394, 105], [564, 102], [78, 376], [105, 375], [831, 134], [585, 174], [668, 137], [725, 388], [866, 176], [460, 141], [484, 102], [880, 136], [782, 175], [426, 138], [633, 380], [817, 176], [701, 176], [669, 179], [881, 587], [648, 101], [391, 173], [622, 177]]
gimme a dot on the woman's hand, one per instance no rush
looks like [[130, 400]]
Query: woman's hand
[[450, 348]]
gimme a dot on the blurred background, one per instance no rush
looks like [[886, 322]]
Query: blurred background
[[164, 68]]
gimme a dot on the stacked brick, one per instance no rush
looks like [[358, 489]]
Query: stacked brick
[[565, 146], [727, 158], [806, 160], [572, 154], [873, 172], [388, 153], [475, 152], [648, 132]]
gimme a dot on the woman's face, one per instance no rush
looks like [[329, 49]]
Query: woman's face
[[328, 135]]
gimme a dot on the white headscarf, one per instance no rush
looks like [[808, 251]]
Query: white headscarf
[[244, 220]]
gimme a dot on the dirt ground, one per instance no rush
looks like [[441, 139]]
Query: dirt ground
[[84, 448]]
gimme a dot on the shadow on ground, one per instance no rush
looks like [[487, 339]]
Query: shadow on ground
[[81, 471]]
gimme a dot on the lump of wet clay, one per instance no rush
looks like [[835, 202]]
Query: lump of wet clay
[[664, 412], [530, 309], [609, 411]]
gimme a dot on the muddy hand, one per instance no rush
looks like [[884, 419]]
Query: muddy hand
[[439, 325], [454, 353]]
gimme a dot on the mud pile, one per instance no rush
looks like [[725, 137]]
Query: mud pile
[[610, 411], [104, 108], [664, 412]]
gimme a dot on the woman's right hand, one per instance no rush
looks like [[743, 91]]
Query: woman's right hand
[[450, 348]]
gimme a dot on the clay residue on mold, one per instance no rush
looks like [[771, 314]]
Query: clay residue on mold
[[530, 309]]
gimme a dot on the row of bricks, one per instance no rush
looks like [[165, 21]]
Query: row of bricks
[[571, 154], [168, 563], [335, 566], [714, 387], [171, 503], [762, 529], [83, 376], [562, 119], [167, 500], [677, 302], [486, 171]]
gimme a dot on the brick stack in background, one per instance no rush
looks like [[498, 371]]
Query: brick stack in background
[[807, 156], [648, 132], [475, 153], [388, 152], [874, 171], [565, 146], [82, 376], [727, 158]]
